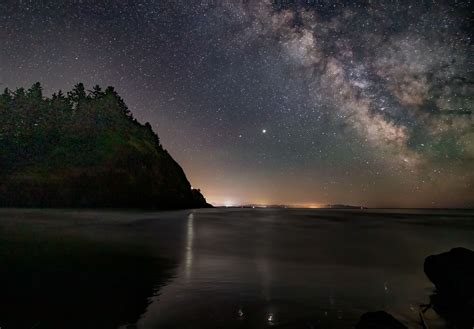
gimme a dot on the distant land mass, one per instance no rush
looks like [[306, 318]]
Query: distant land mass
[[283, 206], [343, 206], [84, 149]]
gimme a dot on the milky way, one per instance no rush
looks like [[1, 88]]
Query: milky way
[[298, 102]]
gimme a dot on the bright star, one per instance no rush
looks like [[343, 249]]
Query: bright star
[[264, 131]]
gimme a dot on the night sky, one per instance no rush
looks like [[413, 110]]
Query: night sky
[[296, 102]]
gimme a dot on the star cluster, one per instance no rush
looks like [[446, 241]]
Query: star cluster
[[275, 101]]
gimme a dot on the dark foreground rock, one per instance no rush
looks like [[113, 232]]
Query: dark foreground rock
[[379, 320], [452, 273]]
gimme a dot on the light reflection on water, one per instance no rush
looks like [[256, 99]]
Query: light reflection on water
[[189, 246], [278, 268], [289, 268]]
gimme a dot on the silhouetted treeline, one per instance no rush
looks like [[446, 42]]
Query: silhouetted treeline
[[84, 148]]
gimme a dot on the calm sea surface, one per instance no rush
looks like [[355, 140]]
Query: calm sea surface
[[219, 268]]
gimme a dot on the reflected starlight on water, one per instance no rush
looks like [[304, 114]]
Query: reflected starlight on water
[[238, 269], [189, 246], [271, 319]]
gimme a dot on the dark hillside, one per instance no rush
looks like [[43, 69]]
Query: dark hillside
[[84, 149]]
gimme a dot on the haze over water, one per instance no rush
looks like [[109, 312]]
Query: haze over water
[[219, 268]]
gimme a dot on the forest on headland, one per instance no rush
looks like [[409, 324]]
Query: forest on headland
[[84, 149]]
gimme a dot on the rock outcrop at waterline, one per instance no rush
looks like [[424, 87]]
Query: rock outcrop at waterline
[[452, 273], [84, 149]]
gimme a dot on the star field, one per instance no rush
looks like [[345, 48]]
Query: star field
[[303, 102]]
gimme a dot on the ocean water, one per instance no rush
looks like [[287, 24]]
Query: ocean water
[[220, 268]]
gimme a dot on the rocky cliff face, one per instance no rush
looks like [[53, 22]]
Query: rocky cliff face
[[84, 150]]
